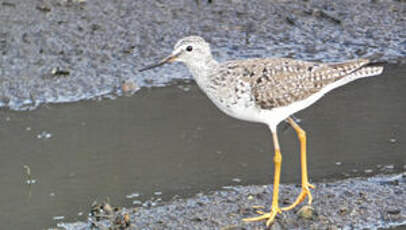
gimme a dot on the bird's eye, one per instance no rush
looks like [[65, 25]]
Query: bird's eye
[[189, 48]]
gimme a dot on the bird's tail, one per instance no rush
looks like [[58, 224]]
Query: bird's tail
[[369, 70]]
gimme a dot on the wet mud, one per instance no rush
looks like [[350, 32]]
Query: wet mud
[[358, 203], [70, 50]]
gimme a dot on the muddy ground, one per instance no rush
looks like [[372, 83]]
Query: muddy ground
[[358, 203], [68, 50]]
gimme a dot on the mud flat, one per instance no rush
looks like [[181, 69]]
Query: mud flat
[[358, 203], [55, 51]]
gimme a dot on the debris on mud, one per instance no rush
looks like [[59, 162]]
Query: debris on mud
[[358, 203]]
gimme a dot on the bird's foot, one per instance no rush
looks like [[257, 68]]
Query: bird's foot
[[305, 192], [268, 216]]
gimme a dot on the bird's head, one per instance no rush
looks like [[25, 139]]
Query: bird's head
[[189, 50]]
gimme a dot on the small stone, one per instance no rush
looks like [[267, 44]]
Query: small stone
[[132, 195], [276, 226], [389, 167], [236, 180], [306, 212], [250, 197], [343, 210], [368, 170], [107, 208], [32, 181], [58, 217], [129, 86], [137, 202], [393, 211], [157, 193], [332, 227], [392, 140], [338, 163]]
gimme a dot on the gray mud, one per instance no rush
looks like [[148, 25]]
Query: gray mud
[[68, 50], [359, 203]]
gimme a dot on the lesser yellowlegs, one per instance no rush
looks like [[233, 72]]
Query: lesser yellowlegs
[[267, 90]]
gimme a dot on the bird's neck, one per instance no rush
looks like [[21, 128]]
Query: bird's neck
[[202, 70]]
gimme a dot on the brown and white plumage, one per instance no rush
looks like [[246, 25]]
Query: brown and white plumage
[[280, 82]]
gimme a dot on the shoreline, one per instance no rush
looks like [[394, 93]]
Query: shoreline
[[375, 202]]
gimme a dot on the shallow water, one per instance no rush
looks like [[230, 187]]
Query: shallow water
[[174, 141]]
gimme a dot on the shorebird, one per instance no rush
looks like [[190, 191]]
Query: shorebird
[[267, 90]]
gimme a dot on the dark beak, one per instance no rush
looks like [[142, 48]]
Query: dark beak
[[168, 59]]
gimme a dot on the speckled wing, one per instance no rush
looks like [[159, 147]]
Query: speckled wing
[[280, 82]]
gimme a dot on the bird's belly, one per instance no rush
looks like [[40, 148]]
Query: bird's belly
[[240, 110]]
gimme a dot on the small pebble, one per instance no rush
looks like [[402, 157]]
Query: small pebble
[[306, 212], [132, 195], [236, 180], [58, 217], [393, 211], [32, 181], [392, 140], [28, 128], [157, 193], [184, 88], [148, 204], [129, 86], [137, 202], [52, 194], [107, 209], [368, 170], [389, 167], [44, 135], [227, 187], [338, 163]]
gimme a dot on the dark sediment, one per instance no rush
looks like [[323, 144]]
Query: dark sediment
[[357, 203], [62, 51]]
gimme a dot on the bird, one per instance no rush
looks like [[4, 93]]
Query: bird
[[267, 91]]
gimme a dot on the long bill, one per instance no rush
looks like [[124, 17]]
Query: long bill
[[171, 58]]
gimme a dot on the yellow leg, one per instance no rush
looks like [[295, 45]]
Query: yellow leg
[[270, 217], [305, 181]]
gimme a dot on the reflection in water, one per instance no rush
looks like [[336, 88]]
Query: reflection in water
[[174, 141]]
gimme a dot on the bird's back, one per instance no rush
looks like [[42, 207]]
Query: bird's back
[[277, 82]]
